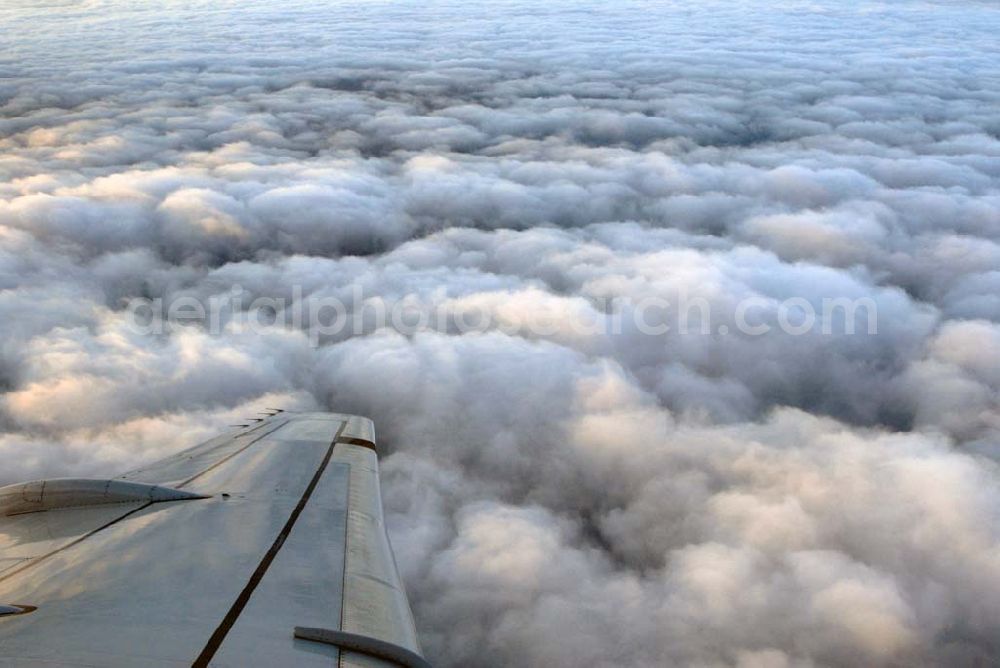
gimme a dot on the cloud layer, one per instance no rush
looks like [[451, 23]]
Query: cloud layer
[[578, 496]]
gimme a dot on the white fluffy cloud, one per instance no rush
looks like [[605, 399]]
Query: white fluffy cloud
[[560, 492]]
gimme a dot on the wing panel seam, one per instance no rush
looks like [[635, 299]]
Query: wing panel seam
[[230, 456], [227, 623], [79, 540]]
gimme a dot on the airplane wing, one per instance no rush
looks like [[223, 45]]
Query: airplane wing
[[265, 547]]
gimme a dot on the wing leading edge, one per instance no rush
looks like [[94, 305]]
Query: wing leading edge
[[280, 526]]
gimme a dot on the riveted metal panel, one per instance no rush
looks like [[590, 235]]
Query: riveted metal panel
[[302, 586]]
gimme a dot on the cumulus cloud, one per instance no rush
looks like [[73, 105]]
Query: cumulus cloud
[[562, 487]]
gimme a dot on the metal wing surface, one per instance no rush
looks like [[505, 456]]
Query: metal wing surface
[[217, 556]]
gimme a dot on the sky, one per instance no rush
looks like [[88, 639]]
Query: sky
[[562, 486]]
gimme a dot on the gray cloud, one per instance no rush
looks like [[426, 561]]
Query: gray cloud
[[574, 496]]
